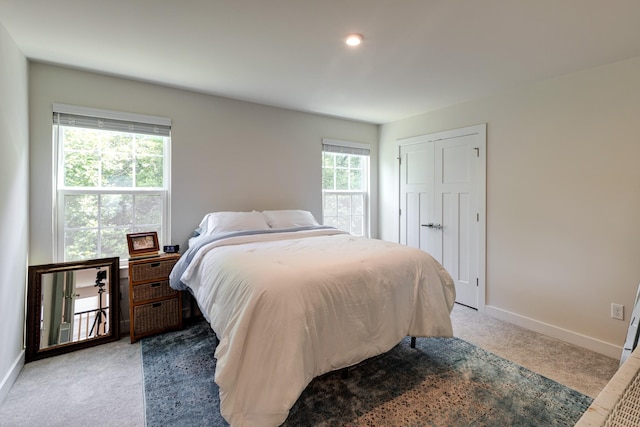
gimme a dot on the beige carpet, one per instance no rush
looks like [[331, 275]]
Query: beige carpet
[[102, 386], [582, 370], [99, 386]]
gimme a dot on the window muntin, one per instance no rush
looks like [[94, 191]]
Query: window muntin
[[109, 183], [345, 191]]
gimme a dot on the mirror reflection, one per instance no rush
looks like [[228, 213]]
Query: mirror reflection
[[72, 305], [75, 306]]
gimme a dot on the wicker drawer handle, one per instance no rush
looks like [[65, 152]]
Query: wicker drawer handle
[[157, 304], [155, 285], [155, 264]]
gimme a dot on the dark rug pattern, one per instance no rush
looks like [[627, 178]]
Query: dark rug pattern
[[443, 382]]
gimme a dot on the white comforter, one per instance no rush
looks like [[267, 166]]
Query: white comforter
[[288, 307]]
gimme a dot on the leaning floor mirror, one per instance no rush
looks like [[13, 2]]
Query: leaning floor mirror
[[72, 305]]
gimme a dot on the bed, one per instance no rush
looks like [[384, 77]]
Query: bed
[[289, 300]]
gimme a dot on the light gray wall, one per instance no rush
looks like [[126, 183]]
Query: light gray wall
[[563, 199], [14, 157], [226, 154]]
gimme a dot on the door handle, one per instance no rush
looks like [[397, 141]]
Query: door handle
[[432, 225]]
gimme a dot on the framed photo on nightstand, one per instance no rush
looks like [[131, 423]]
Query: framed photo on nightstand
[[143, 243]]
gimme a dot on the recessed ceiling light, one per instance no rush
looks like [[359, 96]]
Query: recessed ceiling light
[[353, 39]]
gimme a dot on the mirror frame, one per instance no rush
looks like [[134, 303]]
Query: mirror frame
[[34, 303]]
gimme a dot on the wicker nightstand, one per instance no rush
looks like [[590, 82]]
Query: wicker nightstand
[[153, 305]]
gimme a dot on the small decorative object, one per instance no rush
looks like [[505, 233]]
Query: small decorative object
[[143, 244], [171, 249]]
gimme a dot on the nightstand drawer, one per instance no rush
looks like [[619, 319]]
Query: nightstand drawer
[[151, 270], [157, 316], [152, 290]]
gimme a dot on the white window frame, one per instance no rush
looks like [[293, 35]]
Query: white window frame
[[60, 191], [353, 148]]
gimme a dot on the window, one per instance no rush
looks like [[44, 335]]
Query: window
[[345, 186], [112, 178]]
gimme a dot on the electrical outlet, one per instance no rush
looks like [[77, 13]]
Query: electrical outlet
[[617, 311]]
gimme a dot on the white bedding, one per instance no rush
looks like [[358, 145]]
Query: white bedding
[[290, 306]]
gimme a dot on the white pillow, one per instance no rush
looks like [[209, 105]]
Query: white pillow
[[220, 222], [289, 218]]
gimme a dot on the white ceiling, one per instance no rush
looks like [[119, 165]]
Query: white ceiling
[[417, 55]]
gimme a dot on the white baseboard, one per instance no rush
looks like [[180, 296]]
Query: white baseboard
[[593, 344], [11, 376]]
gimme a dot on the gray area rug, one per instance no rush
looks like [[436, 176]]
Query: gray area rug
[[443, 382]]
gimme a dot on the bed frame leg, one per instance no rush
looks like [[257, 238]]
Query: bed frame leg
[[413, 342]]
